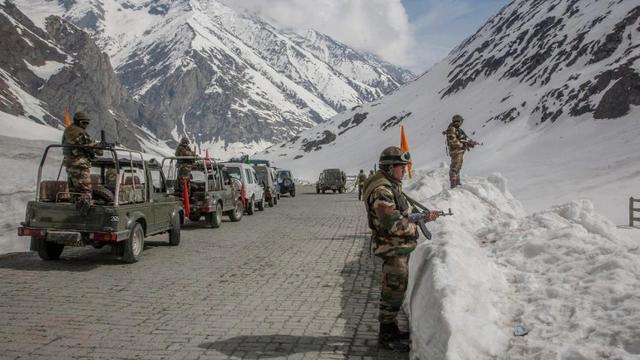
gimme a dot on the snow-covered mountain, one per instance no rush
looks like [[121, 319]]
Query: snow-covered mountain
[[45, 70], [221, 77], [551, 87]]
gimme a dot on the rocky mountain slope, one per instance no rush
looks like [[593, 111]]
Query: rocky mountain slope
[[45, 70], [223, 78], [551, 87]]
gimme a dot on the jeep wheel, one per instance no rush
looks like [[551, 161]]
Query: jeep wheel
[[340, 190], [271, 201], [236, 214], [293, 193], [317, 190], [261, 204], [134, 244], [323, 190], [275, 200], [251, 208], [49, 250], [214, 219], [174, 232]]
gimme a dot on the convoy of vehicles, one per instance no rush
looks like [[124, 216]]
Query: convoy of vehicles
[[331, 179], [134, 198]]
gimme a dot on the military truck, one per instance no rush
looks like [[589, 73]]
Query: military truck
[[137, 205], [211, 191], [331, 179]]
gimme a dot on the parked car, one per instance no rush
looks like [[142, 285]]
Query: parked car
[[251, 191], [331, 179], [267, 178], [139, 206], [211, 191], [285, 182]]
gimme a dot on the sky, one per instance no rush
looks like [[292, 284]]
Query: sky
[[414, 34]]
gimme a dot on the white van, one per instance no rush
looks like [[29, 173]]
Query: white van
[[251, 192]]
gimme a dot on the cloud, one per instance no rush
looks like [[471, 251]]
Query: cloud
[[378, 26]]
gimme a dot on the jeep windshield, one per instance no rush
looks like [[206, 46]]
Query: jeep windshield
[[284, 174]]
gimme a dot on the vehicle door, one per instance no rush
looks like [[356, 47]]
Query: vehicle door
[[162, 203], [227, 193]]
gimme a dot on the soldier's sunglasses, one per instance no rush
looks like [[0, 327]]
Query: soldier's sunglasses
[[84, 122]]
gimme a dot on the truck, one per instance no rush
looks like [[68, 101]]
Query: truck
[[138, 205], [211, 191], [331, 179]]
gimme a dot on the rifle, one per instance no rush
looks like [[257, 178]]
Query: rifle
[[422, 210], [470, 144]]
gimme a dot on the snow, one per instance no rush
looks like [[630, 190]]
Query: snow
[[47, 70], [567, 274]]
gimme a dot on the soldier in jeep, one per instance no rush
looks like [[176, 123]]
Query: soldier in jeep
[[77, 161]]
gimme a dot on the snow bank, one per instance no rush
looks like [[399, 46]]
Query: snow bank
[[567, 274]]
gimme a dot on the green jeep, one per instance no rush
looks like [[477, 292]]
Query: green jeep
[[138, 205], [211, 191]]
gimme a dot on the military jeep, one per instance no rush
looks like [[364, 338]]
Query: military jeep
[[137, 205], [331, 179], [212, 193]]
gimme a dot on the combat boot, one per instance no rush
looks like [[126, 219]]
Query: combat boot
[[388, 338], [454, 183]]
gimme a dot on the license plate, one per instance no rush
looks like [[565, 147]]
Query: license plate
[[69, 238]]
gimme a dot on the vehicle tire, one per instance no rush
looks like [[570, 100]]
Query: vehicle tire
[[49, 250], [275, 200], [214, 219], [323, 191], [334, 191], [261, 204], [174, 232], [236, 214], [293, 193], [340, 190], [317, 190], [271, 201], [251, 208], [134, 244]]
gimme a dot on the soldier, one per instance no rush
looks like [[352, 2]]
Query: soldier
[[184, 165], [361, 179], [394, 235], [457, 144], [371, 172], [77, 161]]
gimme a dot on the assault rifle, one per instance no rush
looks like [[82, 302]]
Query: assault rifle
[[422, 210], [470, 144]]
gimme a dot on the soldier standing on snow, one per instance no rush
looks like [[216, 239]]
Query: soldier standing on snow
[[394, 235], [457, 144], [361, 179]]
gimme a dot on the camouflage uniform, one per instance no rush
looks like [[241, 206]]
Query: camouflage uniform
[[184, 165], [394, 237], [361, 179], [456, 139], [78, 161]]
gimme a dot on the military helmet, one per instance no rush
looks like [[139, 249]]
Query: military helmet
[[361, 170], [184, 141], [80, 116], [393, 155], [457, 118]]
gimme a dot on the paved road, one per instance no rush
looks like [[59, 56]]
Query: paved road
[[295, 281]]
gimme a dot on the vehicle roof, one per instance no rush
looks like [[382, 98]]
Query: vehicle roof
[[331, 170]]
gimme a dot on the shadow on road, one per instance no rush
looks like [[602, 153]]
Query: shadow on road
[[275, 346], [77, 260]]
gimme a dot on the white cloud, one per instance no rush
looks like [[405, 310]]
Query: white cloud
[[378, 26]]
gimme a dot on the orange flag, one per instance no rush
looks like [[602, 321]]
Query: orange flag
[[67, 118], [404, 146]]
